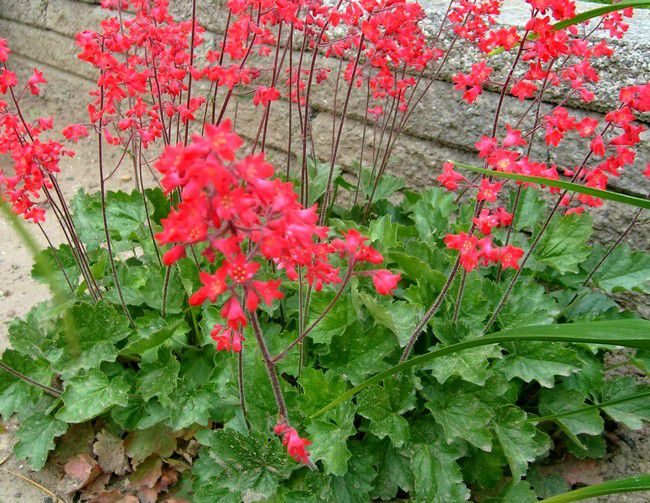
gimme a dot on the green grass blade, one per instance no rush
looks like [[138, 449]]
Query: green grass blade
[[573, 187], [600, 11], [587, 408], [628, 485], [590, 14], [633, 333]]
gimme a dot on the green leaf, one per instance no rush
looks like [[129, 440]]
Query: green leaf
[[462, 416], [124, 212], [97, 327], [546, 484], [28, 336], [341, 315], [158, 378], [17, 396], [393, 472], [573, 187], [432, 211], [538, 361], [42, 269], [36, 436], [564, 244], [518, 491], [318, 175], [528, 304], [624, 270], [470, 365], [437, 476], [632, 413], [559, 400], [152, 331], [628, 485], [531, 209], [357, 483], [627, 332], [318, 389], [399, 317], [330, 437], [189, 404], [359, 351], [249, 466], [89, 395], [521, 441], [386, 186], [385, 405]]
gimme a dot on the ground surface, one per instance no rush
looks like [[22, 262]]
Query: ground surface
[[19, 292]]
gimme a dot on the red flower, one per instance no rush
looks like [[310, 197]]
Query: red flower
[[74, 132], [233, 312], [175, 253], [488, 191], [385, 281], [265, 95], [467, 245], [34, 80], [296, 446], [598, 146], [227, 339], [449, 178], [485, 146], [509, 256], [213, 286]]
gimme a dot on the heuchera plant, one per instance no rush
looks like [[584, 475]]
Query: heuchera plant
[[255, 245]]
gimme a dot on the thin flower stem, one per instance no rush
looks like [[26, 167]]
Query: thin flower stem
[[146, 207], [189, 73], [459, 296], [328, 190], [163, 308], [242, 392], [430, 312], [363, 143], [321, 316], [283, 415], [609, 251], [56, 257], [102, 189], [49, 390]]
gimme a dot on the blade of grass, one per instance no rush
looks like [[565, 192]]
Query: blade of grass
[[587, 408], [630, 333], [574, 187], [628, 485]]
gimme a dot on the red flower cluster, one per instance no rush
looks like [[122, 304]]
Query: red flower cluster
[[35, 160], [240, 216], [543, 47], [144, 63]]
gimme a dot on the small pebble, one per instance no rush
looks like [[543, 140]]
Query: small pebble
[[125, 178]]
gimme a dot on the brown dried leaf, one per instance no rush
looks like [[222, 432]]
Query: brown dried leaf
[[110, 453], [83, 470], [577, 471], [97, 486], [148, 495], [114, 496], [147, 473], [77, 440], [155, 440], [168, 478]]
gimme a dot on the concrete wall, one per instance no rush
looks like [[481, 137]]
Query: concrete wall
[[40, 32]]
